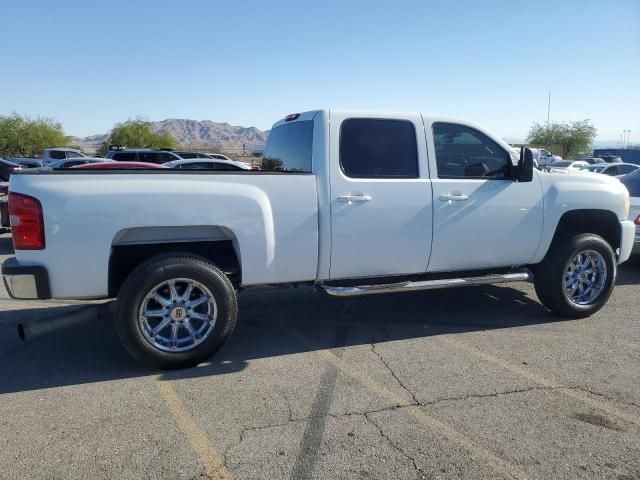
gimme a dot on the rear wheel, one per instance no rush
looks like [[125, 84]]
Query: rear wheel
[[576, 277], [175, 311]]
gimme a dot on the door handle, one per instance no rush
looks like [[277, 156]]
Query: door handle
[[456, 197], [354, 198]]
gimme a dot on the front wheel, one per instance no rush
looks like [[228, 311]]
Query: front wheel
[[175, 311], [576, 277]]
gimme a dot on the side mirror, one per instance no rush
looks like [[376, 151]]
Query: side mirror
[[524, 172]]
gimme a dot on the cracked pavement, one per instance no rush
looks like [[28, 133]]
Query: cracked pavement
[[466, 383]]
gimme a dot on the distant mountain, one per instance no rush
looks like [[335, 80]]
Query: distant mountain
[[191, 134]]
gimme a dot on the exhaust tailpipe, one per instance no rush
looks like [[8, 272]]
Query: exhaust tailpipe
[[33, 329]]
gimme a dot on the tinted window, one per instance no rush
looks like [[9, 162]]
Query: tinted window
[[187, 155], [124, 157], [73, 155], [57, 155], [149, 157], [632, 182], [289, 148], [462, 152], [167, 157], [377, 148], [226, 166], [625, 169], [611, 170], [73, 163]]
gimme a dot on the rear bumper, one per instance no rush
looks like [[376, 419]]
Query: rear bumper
[[627, 240], [636, 245], [25, 282]]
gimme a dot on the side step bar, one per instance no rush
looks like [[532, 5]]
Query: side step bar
[[426, 284]]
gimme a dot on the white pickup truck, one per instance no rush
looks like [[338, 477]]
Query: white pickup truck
[[355, 203]]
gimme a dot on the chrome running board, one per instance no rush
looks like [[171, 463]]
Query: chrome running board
[[408, 286]]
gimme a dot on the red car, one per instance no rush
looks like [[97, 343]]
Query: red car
[[117, 165]]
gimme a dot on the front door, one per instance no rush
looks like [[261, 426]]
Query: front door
[[482, 218], [381, 204]]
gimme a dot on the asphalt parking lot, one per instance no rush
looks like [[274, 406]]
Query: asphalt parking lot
[[480, 382]]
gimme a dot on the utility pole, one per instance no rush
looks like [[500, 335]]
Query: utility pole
[[548, 106]]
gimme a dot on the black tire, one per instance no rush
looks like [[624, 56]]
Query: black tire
[[152, 273], [549, 274]]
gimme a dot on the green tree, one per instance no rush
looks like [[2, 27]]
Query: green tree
[[137, 133], [576, 138], [25, 137]]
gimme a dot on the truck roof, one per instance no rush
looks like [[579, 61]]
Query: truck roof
[[309, 115]]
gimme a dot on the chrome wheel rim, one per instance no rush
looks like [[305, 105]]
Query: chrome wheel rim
[[585, 276], [177, 315]]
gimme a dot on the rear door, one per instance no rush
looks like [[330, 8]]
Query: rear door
[[381, 206]]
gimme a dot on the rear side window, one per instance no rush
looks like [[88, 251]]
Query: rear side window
[[463, 152], [378, 148], [124, 157], [73, 155], [289, 148]]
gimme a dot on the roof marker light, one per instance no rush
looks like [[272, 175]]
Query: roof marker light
[[291, 117]]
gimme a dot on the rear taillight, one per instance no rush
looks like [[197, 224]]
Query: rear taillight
[[27, 225], [637, 220]]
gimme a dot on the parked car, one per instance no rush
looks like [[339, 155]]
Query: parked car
[[566, 166], [190, 155], [74, 162], [611, 158], [330, 210], [26, 162], [4, 208], [612, 169], [207, 164], [50, 155], [592, 160], [7, 168], [119, 166], [632, 182], [544, 158], [146, 155]]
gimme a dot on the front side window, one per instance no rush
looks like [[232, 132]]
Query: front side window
[[378, 148], [74, 155], [57, 155], [167, 157], [149, 157], [289, 148], [463, 152]]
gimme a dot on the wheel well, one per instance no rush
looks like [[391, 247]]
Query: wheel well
[[600, 222], [125, 258]]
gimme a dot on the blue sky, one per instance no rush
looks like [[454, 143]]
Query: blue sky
[[91, 64]]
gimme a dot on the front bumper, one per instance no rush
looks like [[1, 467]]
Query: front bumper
[[627, 240], [25, 282]]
